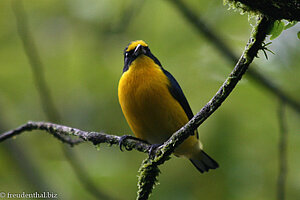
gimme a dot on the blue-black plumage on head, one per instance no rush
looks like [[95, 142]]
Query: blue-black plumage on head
[[154, 104]]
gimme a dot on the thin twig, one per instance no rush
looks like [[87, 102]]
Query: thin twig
[[164, 151], [282, 152], [225, 50], [94, 137]]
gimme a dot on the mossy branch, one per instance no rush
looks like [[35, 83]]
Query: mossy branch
[[277, 9], [149, 172], [95, 137], [163, 152]]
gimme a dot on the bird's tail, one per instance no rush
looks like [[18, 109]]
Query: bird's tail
[[203, 162]]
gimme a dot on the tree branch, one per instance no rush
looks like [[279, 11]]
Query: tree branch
[[94, 137], [225, 50], [277, 9], [146, 180]]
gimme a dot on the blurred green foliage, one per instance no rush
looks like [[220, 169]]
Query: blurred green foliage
[[81, 45], [279, 26]]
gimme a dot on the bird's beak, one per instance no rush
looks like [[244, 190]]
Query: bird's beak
[[139, 50]]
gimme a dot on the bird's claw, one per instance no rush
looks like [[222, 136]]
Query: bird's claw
[[125, 137], [152, 150], [121, 141]]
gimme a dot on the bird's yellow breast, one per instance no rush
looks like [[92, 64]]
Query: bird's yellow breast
[[149, 108]]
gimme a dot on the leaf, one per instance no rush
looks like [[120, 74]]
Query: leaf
[[298, 35], [290, 24], [277, 29]]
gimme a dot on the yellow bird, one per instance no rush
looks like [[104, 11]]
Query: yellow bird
[[154, 104]]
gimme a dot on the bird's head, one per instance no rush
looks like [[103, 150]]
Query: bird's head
[[136, 49]]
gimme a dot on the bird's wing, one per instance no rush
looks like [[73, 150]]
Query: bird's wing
[[177, 93]]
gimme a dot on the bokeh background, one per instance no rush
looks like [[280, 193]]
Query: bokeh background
[[81, 47]]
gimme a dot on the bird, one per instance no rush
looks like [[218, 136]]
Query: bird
[[155, 106]]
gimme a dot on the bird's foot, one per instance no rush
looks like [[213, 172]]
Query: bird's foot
[[152, 150], [125, 137]]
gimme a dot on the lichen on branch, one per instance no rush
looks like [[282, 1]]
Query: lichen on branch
[[59, 130]]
